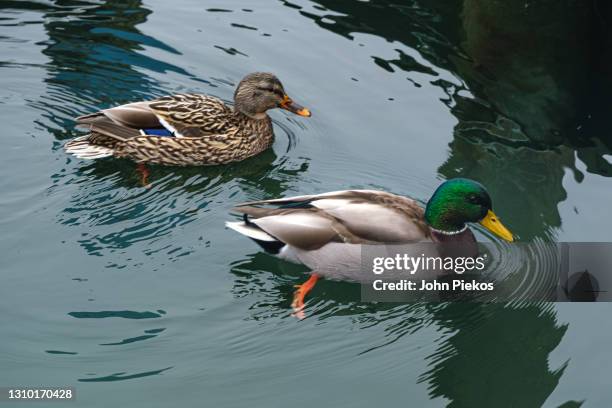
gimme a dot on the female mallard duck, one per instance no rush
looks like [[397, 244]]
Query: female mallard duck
[[324, 231], [188, 129]]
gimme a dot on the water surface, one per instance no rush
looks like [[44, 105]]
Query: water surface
[[140, 297]]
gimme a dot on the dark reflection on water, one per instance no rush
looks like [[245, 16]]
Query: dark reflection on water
[[174, 198], [123, 376], [132, 339], [95, 60], [488, 354], [125, 314], [495, 355], [534, 90], [538, 66]]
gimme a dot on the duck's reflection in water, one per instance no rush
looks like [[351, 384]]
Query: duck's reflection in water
[[495, 355], [487, 355], [111, 199]]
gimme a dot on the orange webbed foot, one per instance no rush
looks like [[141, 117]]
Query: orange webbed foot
[[300, 293], [144, 172]]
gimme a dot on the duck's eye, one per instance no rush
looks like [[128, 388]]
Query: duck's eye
[[271, 89], [473, 198]]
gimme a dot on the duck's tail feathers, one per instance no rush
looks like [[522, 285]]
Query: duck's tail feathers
[[82, 148], [262, 238], [250, 230]]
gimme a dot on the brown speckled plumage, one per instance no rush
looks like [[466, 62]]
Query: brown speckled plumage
[[206, 130], [213, 133]]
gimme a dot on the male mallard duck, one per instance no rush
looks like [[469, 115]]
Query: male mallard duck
[[324, 231], [188, 129]]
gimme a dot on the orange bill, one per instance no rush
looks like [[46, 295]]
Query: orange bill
[[291, 106]]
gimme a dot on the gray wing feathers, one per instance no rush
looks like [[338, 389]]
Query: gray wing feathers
[[357, 216], [134, 115], [300, 229], [105, 126], [122, 122], [374, 222], [307, 198]]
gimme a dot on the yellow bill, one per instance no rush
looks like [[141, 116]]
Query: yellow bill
[[493, 224]]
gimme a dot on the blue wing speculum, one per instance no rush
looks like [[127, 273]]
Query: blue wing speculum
[[157, 132]]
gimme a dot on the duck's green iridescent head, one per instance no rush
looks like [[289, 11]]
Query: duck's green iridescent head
[[459, 201]]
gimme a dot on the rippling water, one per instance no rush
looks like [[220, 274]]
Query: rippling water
[[139, 296]]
